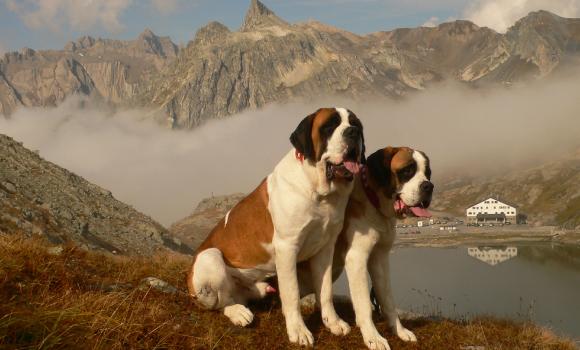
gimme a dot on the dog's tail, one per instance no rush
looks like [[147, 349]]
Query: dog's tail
[[208, 280]]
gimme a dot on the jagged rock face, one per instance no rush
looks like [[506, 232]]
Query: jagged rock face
[[259, 16], [545, 39], [549, 194], [9, 98], [40, 198], [44, 81], [193, 229], [112, 70], [223, 72], [268, 60], [458, 50]]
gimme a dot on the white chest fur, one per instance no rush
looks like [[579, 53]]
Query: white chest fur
[[301, 217]]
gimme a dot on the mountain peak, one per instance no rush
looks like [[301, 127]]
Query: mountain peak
[[538, 17], [543, 13], [211, 32], [259, 15], [147, 33], [86, 41]]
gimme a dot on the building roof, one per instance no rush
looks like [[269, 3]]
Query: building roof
[[490, 216], [494, 198]]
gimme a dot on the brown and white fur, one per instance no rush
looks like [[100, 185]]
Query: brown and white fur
[[396, 184], [294, 215]]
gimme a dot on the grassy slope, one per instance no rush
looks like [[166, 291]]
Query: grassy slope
[[61, 301]]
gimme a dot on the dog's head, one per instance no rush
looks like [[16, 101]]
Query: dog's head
[[403, 175], [331, 138]]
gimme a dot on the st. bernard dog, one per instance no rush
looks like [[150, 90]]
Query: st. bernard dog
[[396, 183], [294, 215]]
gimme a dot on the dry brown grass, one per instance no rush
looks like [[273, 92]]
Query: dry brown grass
[[57, 302]]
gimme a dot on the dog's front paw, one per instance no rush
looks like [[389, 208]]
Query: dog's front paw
[[405, 334], [374, 341], [337, 327], [299, 334], [239, 314]]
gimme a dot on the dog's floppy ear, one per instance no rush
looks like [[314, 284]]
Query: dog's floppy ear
[[301, 138], [379, 165], [355, 121]]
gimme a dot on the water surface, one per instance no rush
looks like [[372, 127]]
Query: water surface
[[539, 282]]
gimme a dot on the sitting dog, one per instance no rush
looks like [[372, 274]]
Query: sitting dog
[[294, 215], [394, 184]]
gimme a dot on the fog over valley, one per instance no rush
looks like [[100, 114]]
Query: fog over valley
[[164, 173]]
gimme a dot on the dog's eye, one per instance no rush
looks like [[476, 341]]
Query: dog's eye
[[354, 122], [407, 172], [328, 128]]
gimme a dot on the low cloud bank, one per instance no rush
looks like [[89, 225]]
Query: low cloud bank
[[165, 173], [501, 14]]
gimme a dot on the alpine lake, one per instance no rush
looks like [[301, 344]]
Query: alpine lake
[[537, 282]]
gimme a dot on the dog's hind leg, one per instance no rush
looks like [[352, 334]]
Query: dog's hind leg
[[208, 279], [212, 286]]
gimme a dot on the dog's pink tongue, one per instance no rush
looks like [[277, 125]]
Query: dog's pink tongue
[[353, 167], [417, 211], [270, 289], [420, 212]]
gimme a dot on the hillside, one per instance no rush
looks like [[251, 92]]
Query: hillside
[[548, 193], [222, 71], [40, 199], [193, 229], [108, 306]]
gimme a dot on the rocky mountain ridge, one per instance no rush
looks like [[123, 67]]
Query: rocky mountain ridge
[[38, 198], [111, 70], [223, 72]]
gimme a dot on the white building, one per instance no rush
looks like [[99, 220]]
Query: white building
[[491, 210]]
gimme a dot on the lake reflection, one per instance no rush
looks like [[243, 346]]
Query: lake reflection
[[537, 282], [493, 255]]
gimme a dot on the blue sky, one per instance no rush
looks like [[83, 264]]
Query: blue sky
[[42, 24]]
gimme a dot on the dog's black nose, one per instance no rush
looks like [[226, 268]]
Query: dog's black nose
[[427, 187]]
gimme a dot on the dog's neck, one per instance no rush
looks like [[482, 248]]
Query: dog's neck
[[376, 201]]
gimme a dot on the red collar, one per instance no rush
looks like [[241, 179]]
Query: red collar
[[371, 195]]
